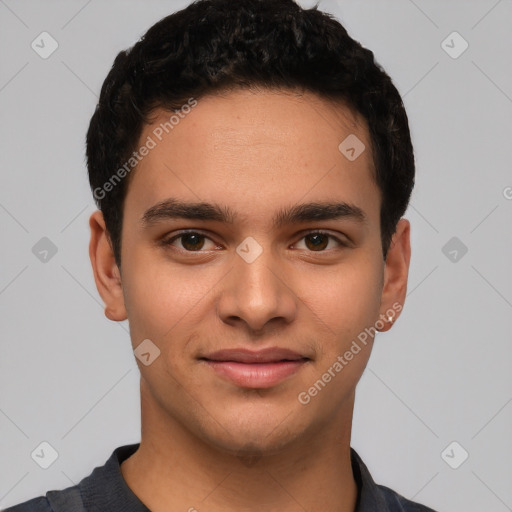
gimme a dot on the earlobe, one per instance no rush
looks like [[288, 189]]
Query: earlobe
[[106, 272], [396, 272]]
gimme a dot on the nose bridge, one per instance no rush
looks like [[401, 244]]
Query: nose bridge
[[255, 290]]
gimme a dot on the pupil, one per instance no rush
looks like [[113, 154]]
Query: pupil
[[195, 241], [318, 243]]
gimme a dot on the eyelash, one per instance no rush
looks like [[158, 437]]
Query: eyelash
[[167, 242]]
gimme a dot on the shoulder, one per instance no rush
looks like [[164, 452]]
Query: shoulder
[[54, 501], [39, 504], [373, 496], [398, 503], [94, 493]]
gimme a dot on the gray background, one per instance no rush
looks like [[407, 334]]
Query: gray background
[[442, 374]]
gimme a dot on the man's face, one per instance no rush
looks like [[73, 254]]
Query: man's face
[[253, 283]]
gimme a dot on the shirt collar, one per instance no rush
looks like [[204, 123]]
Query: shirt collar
[[369, 497], [106, 489]]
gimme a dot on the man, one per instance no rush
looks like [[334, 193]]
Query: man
[[251, 164]]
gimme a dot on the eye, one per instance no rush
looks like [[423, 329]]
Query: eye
[[317, 241], [191, 241]]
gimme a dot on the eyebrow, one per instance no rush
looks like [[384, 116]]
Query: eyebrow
[[306, 212]]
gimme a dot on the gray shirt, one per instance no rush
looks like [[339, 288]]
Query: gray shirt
[[105, 490]]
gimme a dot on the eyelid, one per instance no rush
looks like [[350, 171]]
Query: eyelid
[[343, 241], [167, 241]]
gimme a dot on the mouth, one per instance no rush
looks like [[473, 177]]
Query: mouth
[[255, 369]]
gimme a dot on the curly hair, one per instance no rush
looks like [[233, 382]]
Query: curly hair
[[215, 45]]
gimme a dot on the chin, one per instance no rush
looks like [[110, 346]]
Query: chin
[[255, 445], [255, 434]]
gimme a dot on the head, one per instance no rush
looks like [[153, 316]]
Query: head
[[243, 110], [213, 46]]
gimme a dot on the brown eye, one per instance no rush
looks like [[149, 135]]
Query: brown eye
[[317, 241], [191, 241]]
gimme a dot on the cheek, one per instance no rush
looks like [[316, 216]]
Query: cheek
[[344, 307], [161, 297], [347, 301], [163, 306]]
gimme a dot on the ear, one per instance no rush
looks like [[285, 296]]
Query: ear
[[396, 272], [106, 272]]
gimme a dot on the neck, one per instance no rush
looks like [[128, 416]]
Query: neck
[[174, 470]]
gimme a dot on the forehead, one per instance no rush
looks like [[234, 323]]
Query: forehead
[[256, 151]]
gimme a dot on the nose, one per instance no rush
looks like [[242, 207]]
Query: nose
[[257, 295]]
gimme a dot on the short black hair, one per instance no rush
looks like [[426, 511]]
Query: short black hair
[[221, 45]]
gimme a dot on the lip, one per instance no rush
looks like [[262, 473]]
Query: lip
[[255, 369]]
